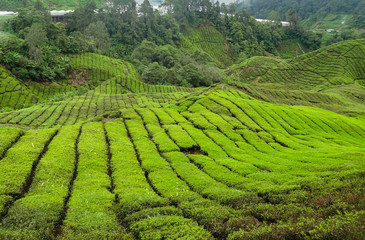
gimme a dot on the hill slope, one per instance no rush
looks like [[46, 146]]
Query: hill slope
[[338, 64], [331, 78], [202, 167], [209, 40], [128, 160]]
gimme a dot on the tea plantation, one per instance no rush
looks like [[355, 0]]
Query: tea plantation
[[277, 154]]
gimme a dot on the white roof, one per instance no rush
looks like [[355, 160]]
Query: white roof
[[267, 20], [60, 12], [6, 13]]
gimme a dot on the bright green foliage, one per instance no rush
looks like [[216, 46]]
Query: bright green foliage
[[158, 162], [163, 116], [99, 68], [169, 227], [12, 93], [152, 212], [219, 172], [163, 142], [180, 137], [107, 71], [90, 214], [201, 182], [131, 186], [8, 137], [15, 94], [16, 167], [89, 105], [226, 159], [71, 104], [198, 120], [38, 212]]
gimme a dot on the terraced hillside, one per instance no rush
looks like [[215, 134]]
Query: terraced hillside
[[338, 64], [331, 78], [128, 160], [211, 41], [92, 72], [111, 95], [16, 94], [219, 165]]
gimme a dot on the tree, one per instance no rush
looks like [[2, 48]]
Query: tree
[[81, 17], [35, 40], [311, 40], [294, 20], [275, 17], [191, 74], [232, 9], [146, 52], [98, 33], [147, 16], [154, 74], [28, 16]]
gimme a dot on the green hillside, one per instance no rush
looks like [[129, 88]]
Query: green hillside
[[290, 48], [17, 94], [330, 78], [199, 169], [210, 40], [337, 64], [278, 153]]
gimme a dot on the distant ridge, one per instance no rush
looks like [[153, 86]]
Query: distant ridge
[[338, 64]]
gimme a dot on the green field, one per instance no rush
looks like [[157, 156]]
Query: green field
[[278, 153]]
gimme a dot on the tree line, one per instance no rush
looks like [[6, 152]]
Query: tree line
[[119, 29]]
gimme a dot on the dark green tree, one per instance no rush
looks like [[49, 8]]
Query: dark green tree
[[98, 33], [294, 21], [154, 74], [36, 38]]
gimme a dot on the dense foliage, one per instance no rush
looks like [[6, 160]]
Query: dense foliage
[[9, 5], [169, 65], [157, 146], [307, 9], [118, 30], [34, 53]]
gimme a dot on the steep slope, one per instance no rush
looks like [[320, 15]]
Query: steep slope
[[12, 93], [15, 94], [89, 71]]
